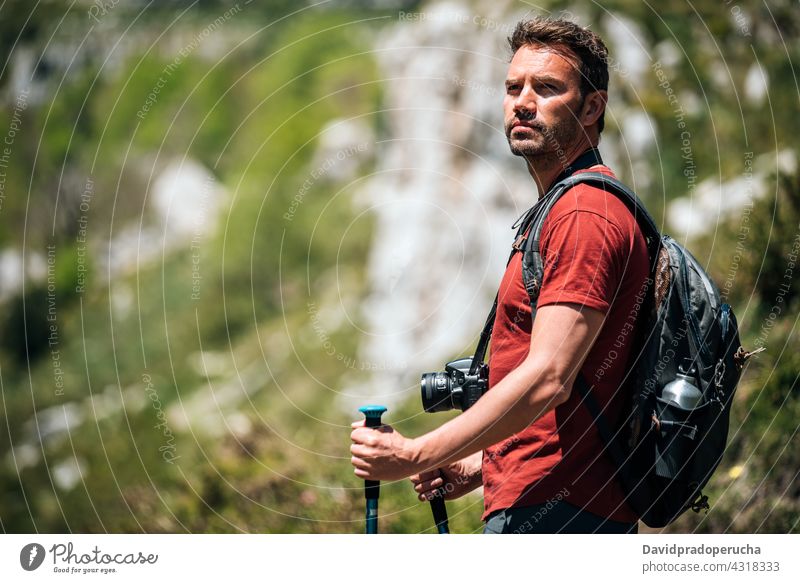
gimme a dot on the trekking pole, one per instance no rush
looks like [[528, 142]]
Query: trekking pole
[[440, 512], [372, 488]]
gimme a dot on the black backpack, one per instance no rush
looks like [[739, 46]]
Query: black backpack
[[665, 454]]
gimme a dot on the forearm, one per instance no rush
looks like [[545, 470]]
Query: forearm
[[472, 466], [472, 463], [463, 476], [470, 469], [523, 396]]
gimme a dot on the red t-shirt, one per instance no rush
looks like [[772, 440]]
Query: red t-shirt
[[594, 254]]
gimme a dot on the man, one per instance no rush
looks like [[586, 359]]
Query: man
[[529, 440]]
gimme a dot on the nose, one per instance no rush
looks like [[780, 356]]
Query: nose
[[524, 113], [524, 107]]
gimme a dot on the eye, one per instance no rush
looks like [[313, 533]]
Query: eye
[[512, 87]]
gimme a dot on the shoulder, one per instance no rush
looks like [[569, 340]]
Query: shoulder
[[595, 205]]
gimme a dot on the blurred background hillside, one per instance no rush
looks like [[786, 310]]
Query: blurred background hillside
[[225, 226]]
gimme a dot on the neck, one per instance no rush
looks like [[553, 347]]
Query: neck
[[546, 168]]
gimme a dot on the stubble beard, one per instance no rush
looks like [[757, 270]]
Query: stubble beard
[[545, 143]]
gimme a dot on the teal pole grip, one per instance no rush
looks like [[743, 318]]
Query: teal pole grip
[[372, 488]]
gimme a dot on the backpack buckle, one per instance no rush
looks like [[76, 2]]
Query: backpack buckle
[[719, 372], [700, 503]]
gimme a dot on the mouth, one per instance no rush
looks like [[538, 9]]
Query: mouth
[[517, 123], [518, 126]]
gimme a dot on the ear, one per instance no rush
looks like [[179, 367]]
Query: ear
[[593, 107]]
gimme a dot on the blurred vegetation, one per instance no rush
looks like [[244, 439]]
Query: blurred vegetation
[[253, 114]]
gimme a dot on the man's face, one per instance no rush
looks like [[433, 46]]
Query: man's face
[[542, 102]]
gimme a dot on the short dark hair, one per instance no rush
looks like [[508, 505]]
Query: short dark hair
[[583, 43]]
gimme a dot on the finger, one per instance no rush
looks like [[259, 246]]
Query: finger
[[361, 473], [360, 464], [429, 475], [355, 424], [357, 435], [428, 496], [432, 485], [360, 451], [429, 485], [423, 477], [362, 435]]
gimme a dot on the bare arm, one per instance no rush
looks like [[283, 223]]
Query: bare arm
[[561, 338]]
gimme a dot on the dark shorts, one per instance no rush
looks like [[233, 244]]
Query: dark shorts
[[551, 518]]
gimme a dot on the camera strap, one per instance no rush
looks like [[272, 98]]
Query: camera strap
[[483, 343]]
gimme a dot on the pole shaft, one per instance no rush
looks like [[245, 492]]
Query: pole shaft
[[372, 516], [440, 513]]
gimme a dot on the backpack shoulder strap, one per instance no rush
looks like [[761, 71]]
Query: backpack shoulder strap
[[532, 264], [622, 192]]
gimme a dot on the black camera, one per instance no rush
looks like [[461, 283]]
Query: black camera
[[454, 388]]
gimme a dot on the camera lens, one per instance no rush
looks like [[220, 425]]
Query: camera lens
[[436, 392]]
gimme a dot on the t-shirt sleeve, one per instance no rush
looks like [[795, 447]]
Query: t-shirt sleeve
[[583, 253]]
